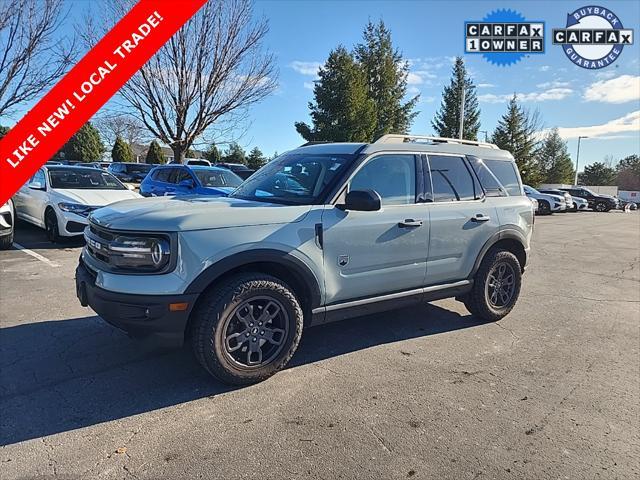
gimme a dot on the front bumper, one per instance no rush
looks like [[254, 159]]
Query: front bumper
[[138, 315]]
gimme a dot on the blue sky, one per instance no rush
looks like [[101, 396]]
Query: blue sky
[[604, 104]]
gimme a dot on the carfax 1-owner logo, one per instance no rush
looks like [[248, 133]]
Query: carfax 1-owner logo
[[504, 37], [593, 37]]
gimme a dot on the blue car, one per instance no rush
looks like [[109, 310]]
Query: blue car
[[189, 180]]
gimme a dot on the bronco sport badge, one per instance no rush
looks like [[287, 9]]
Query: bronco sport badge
[[593, 37]]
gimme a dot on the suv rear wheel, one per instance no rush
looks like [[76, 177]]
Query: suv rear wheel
[[247, 328], [496, 286], [601, 207], [544, 208]]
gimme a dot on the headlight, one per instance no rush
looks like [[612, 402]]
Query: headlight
[[77, 208], [147, 253]]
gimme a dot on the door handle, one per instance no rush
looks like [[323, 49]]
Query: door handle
[[410, 223], [480, 218]]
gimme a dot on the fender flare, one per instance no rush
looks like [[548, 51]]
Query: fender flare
[[507, 234], [296, 266]]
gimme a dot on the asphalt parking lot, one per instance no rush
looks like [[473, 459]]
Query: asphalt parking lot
[[550, 392]]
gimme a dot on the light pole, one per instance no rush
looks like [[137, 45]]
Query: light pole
[[486, 139], [575, 180], [460, 135]]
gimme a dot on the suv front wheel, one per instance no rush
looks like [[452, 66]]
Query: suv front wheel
[[496, 286], [247, 328]]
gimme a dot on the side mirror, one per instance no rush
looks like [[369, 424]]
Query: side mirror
[[362, 201], [36, 186], [186, 183]]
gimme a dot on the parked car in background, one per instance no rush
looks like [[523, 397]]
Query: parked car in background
[[59, 198], [361, 228], [547, 203], [88, 164], [198, 161], [567, 198], [130, 172], [596, 201], [534, 204], [188, 180], [239, 169], [7, 222]]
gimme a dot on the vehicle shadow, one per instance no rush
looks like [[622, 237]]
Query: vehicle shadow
[[30, 236], [57, 376]]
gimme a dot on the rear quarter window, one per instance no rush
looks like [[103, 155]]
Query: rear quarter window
[[506, 174]]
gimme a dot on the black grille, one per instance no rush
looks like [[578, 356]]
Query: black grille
[[101, 233], [75, 227]]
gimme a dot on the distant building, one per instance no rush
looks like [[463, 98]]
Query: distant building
[[140, 153]]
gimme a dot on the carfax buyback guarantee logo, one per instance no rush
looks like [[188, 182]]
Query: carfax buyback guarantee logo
[[504, 37], [593, 37]]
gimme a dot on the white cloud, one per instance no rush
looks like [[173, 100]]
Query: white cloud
[[544, 68], [543, 96], [306, 68], [413, 90], [625, 88], [308, 85], [612, 129], [486, 85], [414, 79], [553, 84]]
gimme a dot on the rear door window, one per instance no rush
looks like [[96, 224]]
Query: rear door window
[[162, 175], [451, 179]]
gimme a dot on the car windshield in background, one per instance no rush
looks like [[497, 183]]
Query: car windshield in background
[[215, 177], [83, 178], [139, 168], [295, 179]]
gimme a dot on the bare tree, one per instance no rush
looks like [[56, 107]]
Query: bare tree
[[31, 57], [128, 127], [212, 68]]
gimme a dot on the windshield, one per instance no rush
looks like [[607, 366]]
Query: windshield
[[214, 177], [529, 189], [298, 179], [84, 178], [139, 168], [585, 189]]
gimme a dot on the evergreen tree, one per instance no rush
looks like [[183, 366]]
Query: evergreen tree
[[85, 145], [386, 75], [256, 159], [3, 131], [213, 154], [516, 133], [342, 110], [155, 154], [628, 173], [235, 154], [597, 174], [121, 151], [554, 161], [447, 120]]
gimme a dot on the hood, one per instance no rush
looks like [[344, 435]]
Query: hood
[[218, 190], [191, 212], [93, 197]]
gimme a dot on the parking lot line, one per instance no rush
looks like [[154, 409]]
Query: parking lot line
[[36, 255]]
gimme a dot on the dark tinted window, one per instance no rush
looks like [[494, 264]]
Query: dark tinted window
[[162, 174], [217, 177], [505, 172], [137, 167], [182, 174], [451, 179], [392, 176]]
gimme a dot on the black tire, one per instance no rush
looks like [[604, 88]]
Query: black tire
[[601, 207], [51, 226], [544, 208], [228, 308], [575, 207], [6, 241], [479, 301]]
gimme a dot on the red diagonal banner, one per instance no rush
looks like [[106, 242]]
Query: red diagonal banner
[[87, 87]]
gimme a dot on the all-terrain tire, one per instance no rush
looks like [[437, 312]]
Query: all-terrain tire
[[478, 300], [6, 241], [219, 307]]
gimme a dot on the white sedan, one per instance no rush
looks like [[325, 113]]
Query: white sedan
[[59, 198]]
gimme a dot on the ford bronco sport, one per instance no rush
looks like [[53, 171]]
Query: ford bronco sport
[[323, 232]]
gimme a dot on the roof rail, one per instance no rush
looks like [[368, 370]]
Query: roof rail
[[396, 138], [314, 142]]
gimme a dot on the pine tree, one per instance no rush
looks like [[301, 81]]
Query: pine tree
[[342, 111], [213, 154], [597, 174], [386, 73], [121, 151], [235, 154], [3, 131], [256, 159], [628, 173], [554, 161], [85, 145], [155, 154], [516, 133], [447, 120]]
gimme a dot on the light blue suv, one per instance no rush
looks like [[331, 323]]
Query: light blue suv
[[323, 232]]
